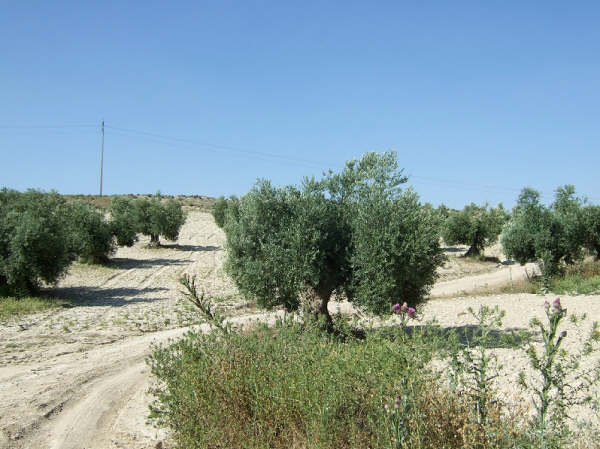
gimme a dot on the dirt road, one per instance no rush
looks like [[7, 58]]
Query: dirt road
[[77, 378]]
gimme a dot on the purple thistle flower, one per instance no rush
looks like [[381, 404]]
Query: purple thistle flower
[[397, 402], [556, 304], [411, 312], [404, 307], [396, 307]]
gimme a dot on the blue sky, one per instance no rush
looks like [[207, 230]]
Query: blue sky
[[479, 99]]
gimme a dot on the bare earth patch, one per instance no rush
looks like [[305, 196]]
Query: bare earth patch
[[76, 377]]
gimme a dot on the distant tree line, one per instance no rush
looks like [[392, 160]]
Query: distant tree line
[[41, 234], [553, 236]]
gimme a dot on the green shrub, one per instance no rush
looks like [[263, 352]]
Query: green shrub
[[476, 226], [294, 386], [583, 278], [91, 235], [290, 386], [354, 232], [35, 244]]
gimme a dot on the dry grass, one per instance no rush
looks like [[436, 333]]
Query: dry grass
[[16, 307], [197, 202]]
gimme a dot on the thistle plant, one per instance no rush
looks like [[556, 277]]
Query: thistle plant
[[473, 367], [398, 415], [562, 382], [405, 312]]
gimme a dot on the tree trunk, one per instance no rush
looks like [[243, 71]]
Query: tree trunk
[[476, 245], [314, 300], [154, 242], [473, 251]]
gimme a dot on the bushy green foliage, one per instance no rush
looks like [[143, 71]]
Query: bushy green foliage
[[174, 218], [123, 220], [148, 216], [153, 218], [476, 226], [591, 225], [222, 206], [549, 236], [90, 234], [395, 252], [569, 211], [443, 212], [219, 210], [35, 245], [355, 232], [518, 235], [293, 386]]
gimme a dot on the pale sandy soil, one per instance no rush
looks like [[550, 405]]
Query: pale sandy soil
[[76, 378]]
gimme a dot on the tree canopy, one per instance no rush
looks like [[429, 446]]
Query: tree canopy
[[148, 216], [476, 226], [35, 241], [356, 232], [547, 235]]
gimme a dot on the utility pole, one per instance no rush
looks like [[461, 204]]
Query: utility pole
[[102, 159]]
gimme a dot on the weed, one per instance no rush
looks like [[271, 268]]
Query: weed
[[17, 307], [561, 381]]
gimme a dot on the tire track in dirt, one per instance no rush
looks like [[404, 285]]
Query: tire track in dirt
[[501, 276], [93, 395], [106, 410]]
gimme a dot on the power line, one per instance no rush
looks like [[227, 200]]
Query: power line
[[239, 150], [45, 126], [178, 141], [265, 155]]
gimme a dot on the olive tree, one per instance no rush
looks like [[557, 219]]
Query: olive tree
[[355, 233], [476, 226], [569, 210], [591, 224], [90, 234], [123, 220], [549, 236], [155, 218], [219, 209], [148, 216], [35, 245]]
